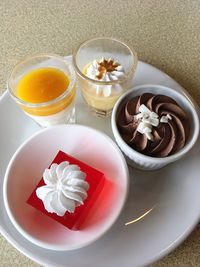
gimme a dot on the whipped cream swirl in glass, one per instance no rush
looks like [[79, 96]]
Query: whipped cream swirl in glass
[[105, 70], [65, 188]]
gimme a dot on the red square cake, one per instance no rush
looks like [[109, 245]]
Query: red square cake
[[94, 178]]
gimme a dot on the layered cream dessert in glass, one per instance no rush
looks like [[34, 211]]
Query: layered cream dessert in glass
[[104, 66], [44, 88]]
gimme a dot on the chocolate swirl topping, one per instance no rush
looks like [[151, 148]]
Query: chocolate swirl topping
[[168, 138]]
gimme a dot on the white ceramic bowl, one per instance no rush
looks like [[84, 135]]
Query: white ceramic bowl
[[144, 162], [26, 168]]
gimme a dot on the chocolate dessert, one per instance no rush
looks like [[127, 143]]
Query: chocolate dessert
[[154, 125]]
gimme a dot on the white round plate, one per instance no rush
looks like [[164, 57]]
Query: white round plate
[[164, 205], [26, 169]]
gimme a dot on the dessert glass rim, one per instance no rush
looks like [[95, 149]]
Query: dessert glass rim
[[71, 85], [99, 82], [182, 151]]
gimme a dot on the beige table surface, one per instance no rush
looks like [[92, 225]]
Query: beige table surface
[[165, 33]]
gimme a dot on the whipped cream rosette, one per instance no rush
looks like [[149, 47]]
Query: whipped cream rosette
[[65, 188], [105, 70]]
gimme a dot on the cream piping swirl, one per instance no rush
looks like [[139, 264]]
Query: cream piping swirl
[[168, 138], [65, 188]]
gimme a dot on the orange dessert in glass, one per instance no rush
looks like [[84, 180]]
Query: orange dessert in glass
[[44, 87]]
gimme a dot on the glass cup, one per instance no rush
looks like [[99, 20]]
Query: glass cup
[[102, 95], [59, 110]]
